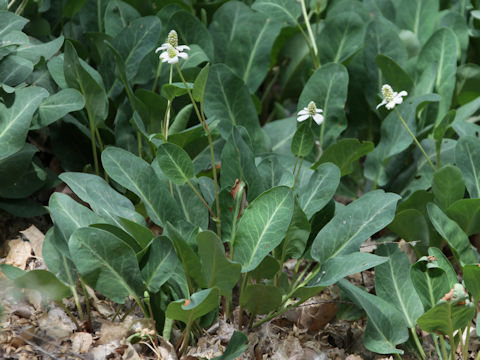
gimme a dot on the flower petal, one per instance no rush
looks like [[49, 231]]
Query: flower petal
[[173, 60], [163, 47], [398, 100], [390, 105], [303, 117], [183, 55], [319, 110], [382, 103], [303, 112], [318, 118], [402, 93], [183, 47]]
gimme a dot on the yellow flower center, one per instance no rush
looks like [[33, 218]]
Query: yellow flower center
[[173, 38], [171, 52], [312, 108], [387, 92]]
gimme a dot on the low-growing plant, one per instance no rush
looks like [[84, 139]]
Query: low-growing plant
[[178, 111]]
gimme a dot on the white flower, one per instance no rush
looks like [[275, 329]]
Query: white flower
[[172, 55], [310, 111], [391, 98], [171, 50]]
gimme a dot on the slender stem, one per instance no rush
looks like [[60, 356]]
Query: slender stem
[[451, 339], [298, 173], [186, 334], [157, 75], [478, 356], [167, 115], [77, 303], [167, 328], [21, 7], [94, 145], [438, 148], [201, 198], [119, 307], [70, 315], [437, 348], [467, 343], [202, 120], [417, 343], [310, 50], [87, 300], [99, 16], [309, 28], [415, 139], [295, 165], [398, 357], [242, 288], [228, 304], [10, 4], [322, 131]]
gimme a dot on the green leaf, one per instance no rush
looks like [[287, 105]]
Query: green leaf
[[416, 16], [447, 317], [453, 234], [342, 36], [175, 163], [466, 213], [262, 226], [72, 7], [287, 11], [200, 83], [393, 73], [160, 263], [430, 281], [441, 127], [78, 77], [12, 272], [45, 282], [353, 224], [237, 345], [14, 70], [191, 206], [393, 283], [343, 153], [118, 16], [303, 140], [124, 236], [471, 277], [189, 259], [58, 105], [138, 176], [68, 215], [201, 303], [9, 22], [394, 138], [443, 263], [381, 37], [411, 225], [191, 31], [334, 269], [15, 166], [321, 187], [441, 49], [228, 99], [57, 262], [238, 162], [136, 41], [448, 186], [260, 298], [15, 120], [106, 263], [386, 327], [327, 87], [34, 52], [267, 269], [467, 153], [219, 271], [297, 234], [102, 199]]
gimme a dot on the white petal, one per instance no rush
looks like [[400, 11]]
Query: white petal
[[163, 47], [164, 55], [303, 117], [303, 112], [398, 100], [173, 60], [390, 105], [319, 110], [402, 93], [382, 103], [183, 47], [318, 118], [183, 55]]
